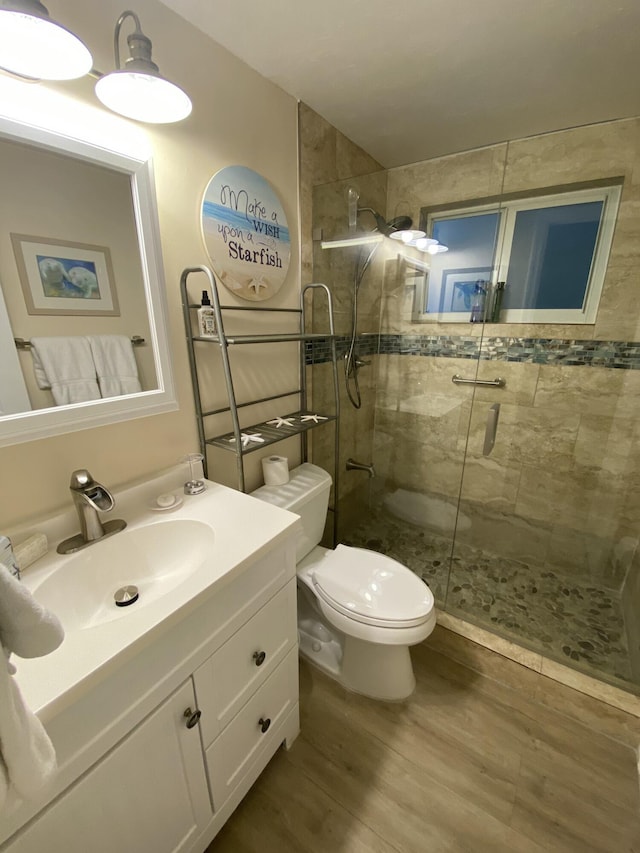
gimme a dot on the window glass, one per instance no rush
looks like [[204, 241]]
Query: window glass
[[470, 241], [552, 252]]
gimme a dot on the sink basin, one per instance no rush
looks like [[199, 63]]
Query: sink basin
[[155, 558]]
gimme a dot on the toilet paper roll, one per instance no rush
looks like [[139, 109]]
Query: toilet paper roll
[[275, 470]]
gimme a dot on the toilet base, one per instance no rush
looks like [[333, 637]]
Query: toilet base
[[377, 671], [373, 670]]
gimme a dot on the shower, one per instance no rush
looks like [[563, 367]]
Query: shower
[[352, 362]]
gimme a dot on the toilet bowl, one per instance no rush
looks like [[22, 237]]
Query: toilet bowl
[[358, 611]]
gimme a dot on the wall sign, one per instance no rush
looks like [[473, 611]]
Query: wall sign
[[245, 232]]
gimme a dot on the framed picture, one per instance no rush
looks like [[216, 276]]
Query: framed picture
[[458, 287], [60, 277]]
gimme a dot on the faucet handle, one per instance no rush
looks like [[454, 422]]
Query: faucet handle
[[80, 479]]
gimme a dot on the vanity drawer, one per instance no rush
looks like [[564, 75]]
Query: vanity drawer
[[254, 730], [229, 677]]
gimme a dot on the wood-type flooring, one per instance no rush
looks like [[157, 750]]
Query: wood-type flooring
[[486, 757]]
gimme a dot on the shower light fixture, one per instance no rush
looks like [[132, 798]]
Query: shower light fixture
[[423, 243], [353, 240], [407, 235], [32, 45], [138, 90]]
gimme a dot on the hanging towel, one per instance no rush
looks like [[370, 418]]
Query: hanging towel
[[115, 365], [27, 756], [66, 366]]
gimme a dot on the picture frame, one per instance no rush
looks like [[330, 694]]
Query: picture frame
[[61, 277], [446, 295], [458, 287]]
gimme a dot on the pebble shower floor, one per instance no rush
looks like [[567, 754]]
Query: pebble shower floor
[[581, 625]]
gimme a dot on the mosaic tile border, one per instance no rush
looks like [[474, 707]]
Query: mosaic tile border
[[616, 355]]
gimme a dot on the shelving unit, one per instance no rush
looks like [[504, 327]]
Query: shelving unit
[[247, 439]]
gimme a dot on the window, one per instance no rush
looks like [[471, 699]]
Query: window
[[551, 252]]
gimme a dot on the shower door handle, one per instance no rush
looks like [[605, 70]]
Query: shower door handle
[[491, 429]]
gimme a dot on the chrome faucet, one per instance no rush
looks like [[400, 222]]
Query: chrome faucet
[[8, 558], [352, 465], [89, 498]]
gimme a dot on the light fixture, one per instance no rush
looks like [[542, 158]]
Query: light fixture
[[407, 235], [139, 91], [436, 249], [423, 243], [34, 46]]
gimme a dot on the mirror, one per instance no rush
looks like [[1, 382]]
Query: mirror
[[79, 259]]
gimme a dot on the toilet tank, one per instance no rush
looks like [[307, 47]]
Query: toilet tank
[[306, 494]]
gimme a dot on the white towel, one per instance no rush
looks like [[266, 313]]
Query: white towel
[[115, 365], [27, 756], [65, 365]]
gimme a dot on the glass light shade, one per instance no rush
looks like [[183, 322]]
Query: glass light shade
[[407, 236], [436, 250], [423, 243], [143, 97], [37, 47]]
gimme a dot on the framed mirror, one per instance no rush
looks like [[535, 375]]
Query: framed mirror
[[80, 262]]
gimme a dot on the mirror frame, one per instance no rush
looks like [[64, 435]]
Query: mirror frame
[[42, 423]]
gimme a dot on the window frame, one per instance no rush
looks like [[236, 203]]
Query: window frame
[[507, 211]]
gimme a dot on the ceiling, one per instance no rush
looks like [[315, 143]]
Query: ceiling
[[422, 78]]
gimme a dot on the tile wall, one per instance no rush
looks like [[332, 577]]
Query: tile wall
[[562, 486]]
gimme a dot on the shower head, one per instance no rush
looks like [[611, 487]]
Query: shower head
[[399, 223]]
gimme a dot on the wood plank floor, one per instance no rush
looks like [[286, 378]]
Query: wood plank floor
[[471, 763]]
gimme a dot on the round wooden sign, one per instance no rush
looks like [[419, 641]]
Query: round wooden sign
[[244, 228]]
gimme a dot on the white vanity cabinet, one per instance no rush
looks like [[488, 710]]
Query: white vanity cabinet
[[246, 691], [134, 777], [149, 793]]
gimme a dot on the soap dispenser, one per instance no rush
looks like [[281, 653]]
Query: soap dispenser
[[206, 318]]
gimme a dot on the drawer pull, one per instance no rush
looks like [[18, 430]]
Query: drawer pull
[[264, 724], [192, 717], [259, 658]]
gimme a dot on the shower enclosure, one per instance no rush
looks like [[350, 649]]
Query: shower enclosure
[[534, 536]]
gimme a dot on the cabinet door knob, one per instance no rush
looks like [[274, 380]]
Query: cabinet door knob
[[192, 717], [259, 658], [264, 724]]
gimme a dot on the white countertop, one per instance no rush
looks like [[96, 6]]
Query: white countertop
[[244, 529]]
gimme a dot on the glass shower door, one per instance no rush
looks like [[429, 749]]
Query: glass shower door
[[548, 528]]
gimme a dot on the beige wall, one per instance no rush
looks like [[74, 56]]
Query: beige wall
[[238, 118]]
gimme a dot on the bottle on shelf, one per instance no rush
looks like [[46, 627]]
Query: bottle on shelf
[[479, 302], [496, 301], [206, 317]]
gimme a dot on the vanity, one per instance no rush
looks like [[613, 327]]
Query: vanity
[[163, 713]]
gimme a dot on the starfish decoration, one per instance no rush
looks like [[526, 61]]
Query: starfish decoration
[[315, 418], [256, 283], [246, 438], [280, 422]]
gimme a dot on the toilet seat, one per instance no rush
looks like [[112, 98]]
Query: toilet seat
[[372, 588]]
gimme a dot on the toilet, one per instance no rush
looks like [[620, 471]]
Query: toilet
[[358, 611]]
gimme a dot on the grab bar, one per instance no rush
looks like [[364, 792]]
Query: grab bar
[[487, 383], [491, 429]]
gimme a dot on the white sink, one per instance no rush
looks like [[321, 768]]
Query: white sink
[[156, 558]]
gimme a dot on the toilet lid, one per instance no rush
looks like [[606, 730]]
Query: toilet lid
[[372, 588]]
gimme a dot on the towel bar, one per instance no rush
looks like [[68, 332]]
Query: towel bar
[[493, 383], [20, 343]]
